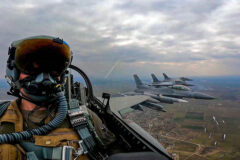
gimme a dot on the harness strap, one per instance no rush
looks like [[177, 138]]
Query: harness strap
[[86, 136], [89, 145], [41, 152], [4, 107], [31, 156], [80, 121]]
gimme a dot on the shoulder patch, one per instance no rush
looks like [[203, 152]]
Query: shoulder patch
[[11, 114], [6, 128]]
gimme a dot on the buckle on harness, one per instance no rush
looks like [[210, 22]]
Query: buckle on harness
[[69, 151], [80, 150], [77, 117]]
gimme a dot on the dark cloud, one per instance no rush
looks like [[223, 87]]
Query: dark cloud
[[103, 32]]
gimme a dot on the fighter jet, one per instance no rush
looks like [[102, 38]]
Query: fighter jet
[[169, 81], [175, 91], [181, 80], [157, 83]]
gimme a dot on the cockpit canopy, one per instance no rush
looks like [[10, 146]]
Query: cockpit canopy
[[181, 87]]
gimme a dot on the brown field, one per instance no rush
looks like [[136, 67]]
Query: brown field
[[182, 131]]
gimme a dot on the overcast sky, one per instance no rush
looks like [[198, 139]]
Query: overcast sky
[[179, 37]]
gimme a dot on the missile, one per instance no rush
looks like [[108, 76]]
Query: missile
[[164, 99], [154, 106]]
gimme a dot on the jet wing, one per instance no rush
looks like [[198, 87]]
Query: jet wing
[[124, 104]]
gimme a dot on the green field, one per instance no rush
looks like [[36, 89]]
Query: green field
[[193, 127], [194, 116], [184, 146]]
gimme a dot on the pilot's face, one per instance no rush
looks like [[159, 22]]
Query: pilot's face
[[22, 76]]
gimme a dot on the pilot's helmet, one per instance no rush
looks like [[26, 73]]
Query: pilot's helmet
[[37, 55]]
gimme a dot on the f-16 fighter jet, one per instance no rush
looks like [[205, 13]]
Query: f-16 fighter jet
[[169, 81], [181, 80]]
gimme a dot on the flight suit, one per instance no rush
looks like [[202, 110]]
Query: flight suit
[[13, 121]]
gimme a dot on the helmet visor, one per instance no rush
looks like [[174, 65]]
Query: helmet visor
[[33, 56]]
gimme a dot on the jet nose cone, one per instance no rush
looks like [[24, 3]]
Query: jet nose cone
[[199, 95]]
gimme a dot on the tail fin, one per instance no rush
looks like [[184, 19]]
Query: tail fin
[[137, 80], [154, 78], [165, 76]]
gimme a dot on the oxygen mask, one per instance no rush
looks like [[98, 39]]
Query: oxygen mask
[[41, 84]]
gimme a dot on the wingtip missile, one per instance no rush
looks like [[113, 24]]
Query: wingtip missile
[[153, 106]]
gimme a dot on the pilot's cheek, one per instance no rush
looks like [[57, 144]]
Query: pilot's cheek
[[22, 76], [23, 92]]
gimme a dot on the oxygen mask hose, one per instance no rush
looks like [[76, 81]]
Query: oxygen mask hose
[[25, 135]]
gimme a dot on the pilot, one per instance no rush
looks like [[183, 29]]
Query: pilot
[[36, 125]]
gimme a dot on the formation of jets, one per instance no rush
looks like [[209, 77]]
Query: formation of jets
[[169, 90]]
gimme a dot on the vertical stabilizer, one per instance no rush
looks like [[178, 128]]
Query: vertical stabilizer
[[154, 78], [137, 80], [165, 76]]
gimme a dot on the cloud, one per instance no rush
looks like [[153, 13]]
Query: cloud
[[146, 35]]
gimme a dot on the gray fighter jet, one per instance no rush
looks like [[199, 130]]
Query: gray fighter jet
[[181, 80], [169, 81], [157, 83], [175, 91]]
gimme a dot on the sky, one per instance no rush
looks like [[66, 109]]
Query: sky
[[114, 39]]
